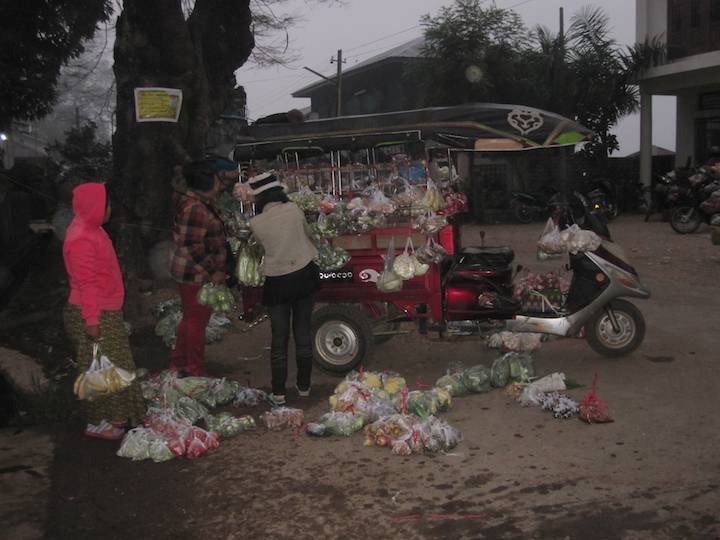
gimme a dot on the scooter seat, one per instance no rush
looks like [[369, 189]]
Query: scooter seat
[[492, 257]]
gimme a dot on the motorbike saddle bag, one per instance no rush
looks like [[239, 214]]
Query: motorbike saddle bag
[[486, 257]]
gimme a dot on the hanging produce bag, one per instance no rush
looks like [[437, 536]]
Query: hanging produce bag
[[433, 200], [101, 378], [408, 196], [550, 243], [406, 264], [429, 222], [389, 281], [249, 265], [431, 252], [217, 297], [378, 202]]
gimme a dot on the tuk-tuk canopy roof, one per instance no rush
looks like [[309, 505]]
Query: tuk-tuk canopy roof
[[474, 127]]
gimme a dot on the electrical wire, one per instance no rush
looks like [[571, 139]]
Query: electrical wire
[[519, 4], [280, 94], [382, 38], [367, 53]]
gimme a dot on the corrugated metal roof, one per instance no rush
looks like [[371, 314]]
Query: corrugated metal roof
[[409, 49]]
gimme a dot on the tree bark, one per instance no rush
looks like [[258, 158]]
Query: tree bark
[[157, 46]]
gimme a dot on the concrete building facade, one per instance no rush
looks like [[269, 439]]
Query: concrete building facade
[[691, 72]]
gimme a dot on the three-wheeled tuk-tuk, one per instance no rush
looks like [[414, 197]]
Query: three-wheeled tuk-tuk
[[472, 286]]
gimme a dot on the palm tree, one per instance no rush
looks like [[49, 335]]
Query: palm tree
[[604, 89]]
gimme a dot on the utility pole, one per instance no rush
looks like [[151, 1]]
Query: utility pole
[[339, 81]]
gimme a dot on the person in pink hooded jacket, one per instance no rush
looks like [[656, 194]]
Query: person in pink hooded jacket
[[94, 309]]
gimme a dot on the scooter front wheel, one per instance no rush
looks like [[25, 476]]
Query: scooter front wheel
[[616, 330]]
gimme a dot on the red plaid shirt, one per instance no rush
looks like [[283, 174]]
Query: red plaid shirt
[[199, 237]]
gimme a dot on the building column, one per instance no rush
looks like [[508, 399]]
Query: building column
[[645, 139]]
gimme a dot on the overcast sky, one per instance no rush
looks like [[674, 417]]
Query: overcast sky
[[364, 28]]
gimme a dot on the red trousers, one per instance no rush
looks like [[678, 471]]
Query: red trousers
[[189, 352]]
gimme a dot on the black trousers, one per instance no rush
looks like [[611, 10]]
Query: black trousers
[[298, 313]]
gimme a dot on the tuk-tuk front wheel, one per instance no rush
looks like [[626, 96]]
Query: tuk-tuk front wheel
[[342, 337]]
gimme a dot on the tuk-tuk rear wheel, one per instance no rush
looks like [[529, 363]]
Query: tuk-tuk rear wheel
[[342, 337]]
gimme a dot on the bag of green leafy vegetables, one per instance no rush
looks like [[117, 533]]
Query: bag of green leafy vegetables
[[522, 367], [453, 383], [500, 372], [477, 379]]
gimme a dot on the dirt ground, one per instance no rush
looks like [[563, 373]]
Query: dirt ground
[[519, 473]]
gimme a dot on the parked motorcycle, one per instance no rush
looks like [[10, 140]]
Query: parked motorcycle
[[697, 204], [529, 207], [603, 197], [661, 195]]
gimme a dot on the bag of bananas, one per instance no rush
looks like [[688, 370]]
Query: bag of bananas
[[101, 378]]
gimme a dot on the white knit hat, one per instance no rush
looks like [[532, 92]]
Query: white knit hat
[[263, 182]]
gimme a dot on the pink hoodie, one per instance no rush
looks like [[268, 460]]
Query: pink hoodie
[[95, 280]]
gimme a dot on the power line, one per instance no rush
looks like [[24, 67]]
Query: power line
[[280, 94], [519, 4], [371, 51], [382, 38], [269, 80]]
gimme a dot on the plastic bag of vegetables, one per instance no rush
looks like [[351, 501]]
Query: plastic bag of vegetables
[[406, 265], [101, 378], [189, 410], [331, 258], [306, 200], [226, 425], [328, 204], [550, 243], [429, 222], [249, 265], [143, 443], [378, 202], [433, 200], [217, 297], [431, 252], [453, 383], [500, 372], [522, 366], [282, 417], [477, 379], [422, 404], [576, 239], [443, 436], [323, 228], [336, 423], [389, 281], [219, 392], [408, 196]]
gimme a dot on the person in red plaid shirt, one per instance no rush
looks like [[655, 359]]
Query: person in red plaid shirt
[[198, 257]]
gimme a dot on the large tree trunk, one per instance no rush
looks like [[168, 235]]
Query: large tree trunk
[[156, 46]]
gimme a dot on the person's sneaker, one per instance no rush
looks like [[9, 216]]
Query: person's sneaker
[[279, 399], [303, 393]]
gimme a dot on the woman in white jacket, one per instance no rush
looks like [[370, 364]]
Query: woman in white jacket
[[291, 280]]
